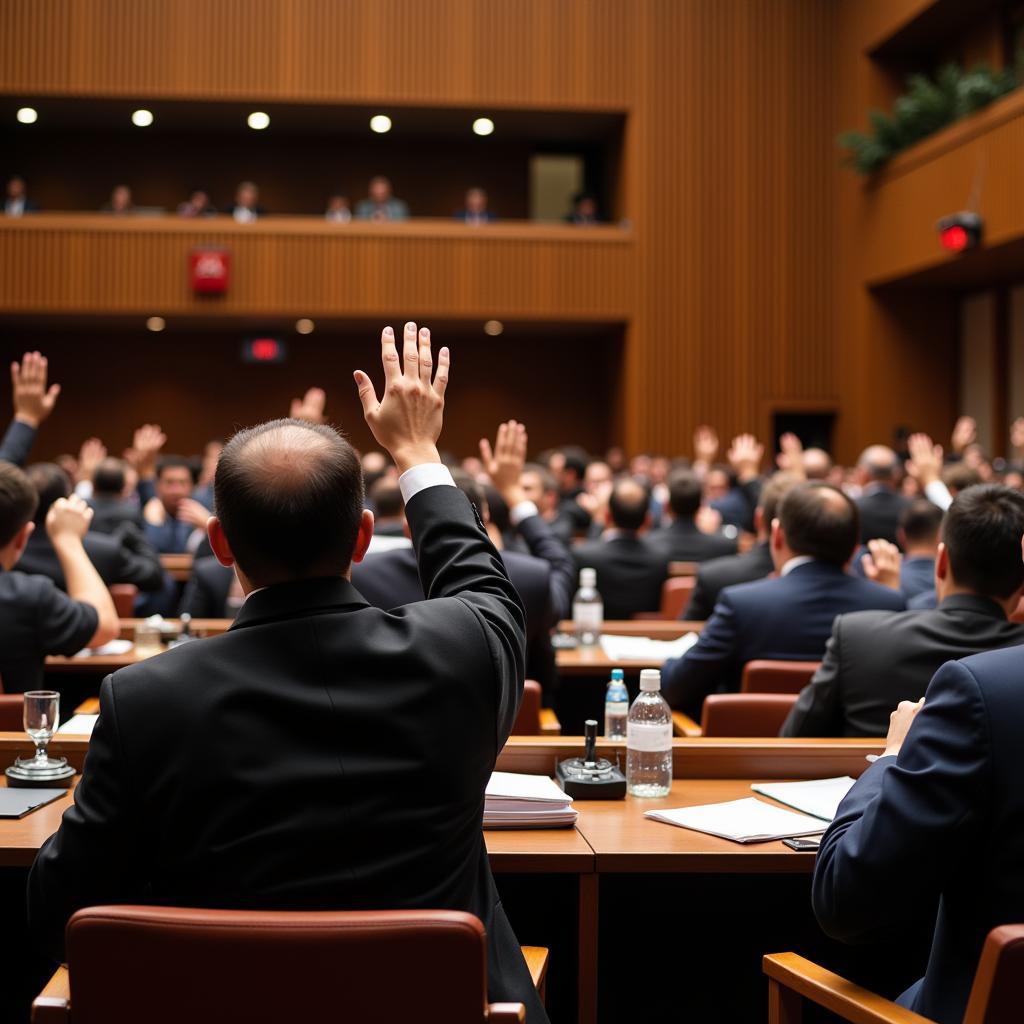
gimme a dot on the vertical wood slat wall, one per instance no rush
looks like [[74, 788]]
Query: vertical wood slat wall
[[731, 177]]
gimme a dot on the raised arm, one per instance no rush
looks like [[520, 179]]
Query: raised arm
[[33, 402]]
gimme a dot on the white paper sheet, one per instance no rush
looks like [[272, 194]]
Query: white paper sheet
[[819, 797], [78, 725], [643, 648], [513, 786], [743, 821], [114, 647]]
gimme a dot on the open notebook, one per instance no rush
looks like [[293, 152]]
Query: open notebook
[[743, 821], [526, 801], [818, 797]]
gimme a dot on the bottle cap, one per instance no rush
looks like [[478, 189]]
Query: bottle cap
[[588, 577], [650, 680], [617, 675]]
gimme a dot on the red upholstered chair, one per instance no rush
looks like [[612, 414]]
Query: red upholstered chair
[[777, 676], [12, 706], [745, 714], [167, 965], [124, 595], [534, 720], [675, 596], [996, 995]]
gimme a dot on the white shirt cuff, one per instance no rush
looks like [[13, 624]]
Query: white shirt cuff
[[938, 494], [522, 510], [84, 489], [419, 478]]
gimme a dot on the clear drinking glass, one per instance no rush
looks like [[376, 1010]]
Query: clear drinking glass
[[147, 640], [41, 718]]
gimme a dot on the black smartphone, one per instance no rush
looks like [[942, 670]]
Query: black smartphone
[[804, 845]]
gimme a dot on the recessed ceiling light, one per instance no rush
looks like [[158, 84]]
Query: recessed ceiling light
[[142, 118], [483, 126], [156, 323], [304, 325], [493, 328], [27, 115], [258, 120], [380, 123]]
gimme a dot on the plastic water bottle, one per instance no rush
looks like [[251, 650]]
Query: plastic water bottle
[[588, 609], [649, 740], [616, 707]]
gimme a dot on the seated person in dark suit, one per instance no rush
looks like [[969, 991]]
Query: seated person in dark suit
[[388, 510], [176, 521], [475, 209], [212, 591], [788, 618], [33, 402], [541, 488], [630, 571], [936, 824], [37, 619], [119, 558], [111, 510], [246, 208], [918, 534], [755, 564], [876, 659], [683, 540], [372, 734], [880, 504]]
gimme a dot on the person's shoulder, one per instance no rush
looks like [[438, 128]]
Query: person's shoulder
[[526, 571], [1001, 666], [871, 622], [879, 596], [28, 588]]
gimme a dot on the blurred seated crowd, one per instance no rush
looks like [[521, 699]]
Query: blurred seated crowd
[[380, 204], [881, 571]]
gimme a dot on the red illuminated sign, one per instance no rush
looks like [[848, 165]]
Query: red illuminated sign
[[210, 270]]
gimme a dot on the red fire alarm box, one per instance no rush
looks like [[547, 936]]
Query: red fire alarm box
[[210, 270]]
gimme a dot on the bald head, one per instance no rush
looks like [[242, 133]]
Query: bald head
[[878, 462], [821, 522], [628, 505], [289, 497], [817, 463]]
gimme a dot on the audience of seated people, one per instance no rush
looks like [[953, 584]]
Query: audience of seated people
[[918, 534], [16, 200], [682, 540]]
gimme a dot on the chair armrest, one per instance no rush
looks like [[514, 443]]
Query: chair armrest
[[506, 1013], [842, 997], [536, 958], [89, 706], [549, 723], [684, 725], [53, 1004]]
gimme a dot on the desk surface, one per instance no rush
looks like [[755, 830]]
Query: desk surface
[[656, 629], [20, 838]]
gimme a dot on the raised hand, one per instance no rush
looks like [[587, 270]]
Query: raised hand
[[1017, 433], [91, 454], [925, 459], [33, 400], [192, 512], [504, 462], [745, 455], [965, 432], [68, 517], [791, 455], [407, 420], [147, 442], [310, 407], [705, 445], [882, 563]]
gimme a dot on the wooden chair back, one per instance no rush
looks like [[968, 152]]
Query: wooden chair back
[[745, 714], [765, 676], [12, 707], [527, 722], [997, 995]]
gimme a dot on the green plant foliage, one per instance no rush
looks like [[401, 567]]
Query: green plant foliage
[[924, 108]]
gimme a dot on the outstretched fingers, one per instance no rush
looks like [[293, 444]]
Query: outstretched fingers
[[444, 362]]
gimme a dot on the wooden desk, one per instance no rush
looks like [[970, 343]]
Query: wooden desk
[[93, 663], [656, 629], [178, 567], [21, 838], [199, 627]]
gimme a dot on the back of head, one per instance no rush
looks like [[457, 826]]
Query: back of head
[[921, 522], [817, 463], [821, 522], [108, 479], [960, 476], [51, 483], [18, 501], [879, 463], [982, 532], [775, 488], [289, 496], [685, 491], [628, 505], [386, 499]]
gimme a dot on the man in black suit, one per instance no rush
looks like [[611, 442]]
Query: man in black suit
[[341, 751], [630, 571], [933, 832], [119, 558], [111, 511], [880, 504], [919, 532], [789, 618], [541, 488], [876, 659], [212, 591], [683, 540], [33, 403], [388, 512], [755, 564], [36, 619]]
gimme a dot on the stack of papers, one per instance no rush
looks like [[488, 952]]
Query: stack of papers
[[643, 648], [820, 797], [113, 648], [526, 801], [79, 725], [742, 821]]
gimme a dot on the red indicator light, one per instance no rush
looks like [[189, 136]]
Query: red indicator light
[[955, 239], [265, 350]]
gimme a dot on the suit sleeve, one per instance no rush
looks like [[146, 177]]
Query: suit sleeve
[[902, 830], [818, 710], [138, 561], [542, 543], [700, 607], [94, 857], [17, 443], [686, 681], [457, 559]]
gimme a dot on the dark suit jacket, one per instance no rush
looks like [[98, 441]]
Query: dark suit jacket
[[630, 572], [121, 558], [941, 825], [917, 576], [681, 541], [789, 618], [17, 443], [390, 579], [876, 659], [109, 515], [736, 508], [320, 754], [206, 593], [716, 575], [880, 511]]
